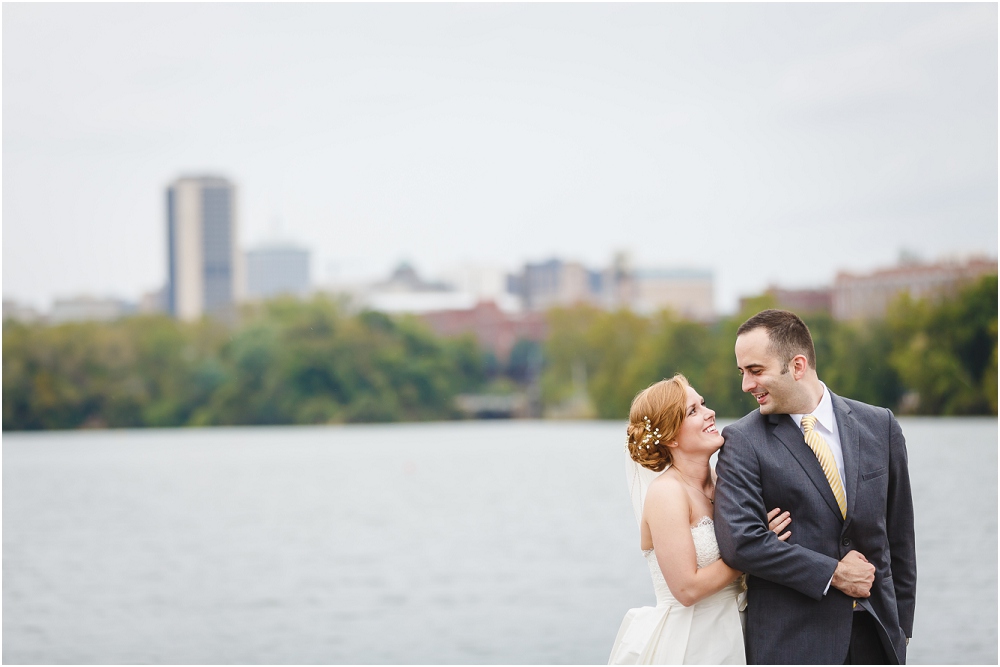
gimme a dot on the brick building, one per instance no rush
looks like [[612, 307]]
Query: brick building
[[798, 300], [493, 328], [864, 296]]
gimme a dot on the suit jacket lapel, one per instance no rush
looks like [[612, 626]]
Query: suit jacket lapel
[[791, 437], [850, 444]]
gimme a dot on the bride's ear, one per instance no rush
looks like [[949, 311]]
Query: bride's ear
[[673, 444]]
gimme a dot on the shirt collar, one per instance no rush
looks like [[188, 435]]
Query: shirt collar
[[823, 413]]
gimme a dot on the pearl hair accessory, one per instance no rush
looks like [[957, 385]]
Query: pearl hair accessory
[[652, 434]]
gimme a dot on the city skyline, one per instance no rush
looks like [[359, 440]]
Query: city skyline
[[758, 142]]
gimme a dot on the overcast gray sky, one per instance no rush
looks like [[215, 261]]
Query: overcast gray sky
[[769, 143]]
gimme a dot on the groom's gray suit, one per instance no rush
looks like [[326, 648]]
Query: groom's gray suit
[[766, 463]]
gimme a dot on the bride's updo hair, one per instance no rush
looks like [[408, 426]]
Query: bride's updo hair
[[656, 416]]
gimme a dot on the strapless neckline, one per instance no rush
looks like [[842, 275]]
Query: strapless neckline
[[706, 548], [703, 522]]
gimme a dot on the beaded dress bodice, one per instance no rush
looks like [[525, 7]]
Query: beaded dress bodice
[[706, 550]]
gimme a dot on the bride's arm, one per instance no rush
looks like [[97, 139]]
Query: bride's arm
[[668, 516]]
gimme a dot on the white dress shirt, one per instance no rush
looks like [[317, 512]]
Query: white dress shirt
[[826, 426]]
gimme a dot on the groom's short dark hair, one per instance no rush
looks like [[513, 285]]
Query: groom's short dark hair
[[787, 333]]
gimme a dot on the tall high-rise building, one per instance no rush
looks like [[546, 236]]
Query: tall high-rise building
[[203, 263]]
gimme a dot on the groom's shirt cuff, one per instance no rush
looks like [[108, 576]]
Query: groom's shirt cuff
[[828, 585]]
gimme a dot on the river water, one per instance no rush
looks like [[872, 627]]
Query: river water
[[465, 542]]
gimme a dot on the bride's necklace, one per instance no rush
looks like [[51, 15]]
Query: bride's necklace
[[684, 479]]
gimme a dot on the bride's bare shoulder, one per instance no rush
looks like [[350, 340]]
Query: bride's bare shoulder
[[666, 487]]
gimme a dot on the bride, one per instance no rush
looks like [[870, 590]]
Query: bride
[[696, 620]]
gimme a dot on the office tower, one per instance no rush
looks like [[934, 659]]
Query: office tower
[[687, 292], [203, 263], [276, 269], [555, 283]]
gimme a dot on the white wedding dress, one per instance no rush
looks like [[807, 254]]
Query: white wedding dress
[[709, 632]]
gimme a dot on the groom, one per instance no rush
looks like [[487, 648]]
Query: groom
[[841, 589]]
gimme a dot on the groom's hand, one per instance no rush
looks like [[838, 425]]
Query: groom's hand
[[854, 575], [778, 522]]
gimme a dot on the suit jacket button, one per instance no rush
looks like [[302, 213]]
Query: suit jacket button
[[846, 542]]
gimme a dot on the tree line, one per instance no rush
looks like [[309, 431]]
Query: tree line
[[288, 362], [929, 357], [302, 362]]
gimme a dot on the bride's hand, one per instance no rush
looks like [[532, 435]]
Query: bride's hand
[[778, 521]]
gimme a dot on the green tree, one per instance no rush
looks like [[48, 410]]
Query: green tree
[[673, 345], [945, 350], [858, 364], [614, 341], [286, 362], [566, 347]]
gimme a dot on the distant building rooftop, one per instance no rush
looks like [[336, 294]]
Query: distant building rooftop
[[205, 179], [405, 278], [418, 302], [862, 296], [673, 274], [82, 308]]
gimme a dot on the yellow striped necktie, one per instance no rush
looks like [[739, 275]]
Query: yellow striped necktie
[[826, 461]]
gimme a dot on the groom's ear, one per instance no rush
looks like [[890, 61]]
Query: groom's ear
[[799, 366]]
